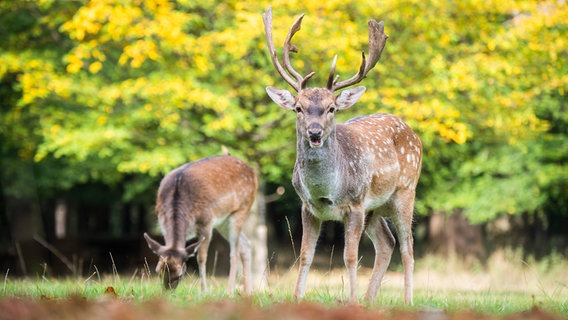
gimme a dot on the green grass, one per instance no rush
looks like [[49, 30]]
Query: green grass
[[506, 285], [188, 294]]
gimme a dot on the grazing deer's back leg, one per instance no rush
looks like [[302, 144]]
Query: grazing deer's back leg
[[310, 231], [245, 254], [233, 237], [383, 241], [404, 205], [231, 230]]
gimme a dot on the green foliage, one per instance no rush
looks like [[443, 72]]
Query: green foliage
[[472, 73], [122, 92]]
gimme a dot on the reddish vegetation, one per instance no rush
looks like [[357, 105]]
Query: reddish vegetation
[[111, 308]]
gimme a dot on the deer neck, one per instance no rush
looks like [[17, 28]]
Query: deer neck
[[175, 221], [175, 235], [318, 170]]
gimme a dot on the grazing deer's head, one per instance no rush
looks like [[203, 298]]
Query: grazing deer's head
[[316, 107], [171, 260]]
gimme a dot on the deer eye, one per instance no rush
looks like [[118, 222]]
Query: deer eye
[[331, 110], [298, 110]]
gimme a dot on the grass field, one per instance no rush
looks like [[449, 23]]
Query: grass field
[[505, 287]]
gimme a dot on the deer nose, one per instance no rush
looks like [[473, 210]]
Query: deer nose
[[315, 130]]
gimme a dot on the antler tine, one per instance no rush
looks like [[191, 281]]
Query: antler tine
[[288, 46], [330, 79], [267, 18], [377, 41]]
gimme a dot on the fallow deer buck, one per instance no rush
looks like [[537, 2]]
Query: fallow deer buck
[[358, 172], [192, 200]]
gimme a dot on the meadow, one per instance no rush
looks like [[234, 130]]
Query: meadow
[[507, 286]]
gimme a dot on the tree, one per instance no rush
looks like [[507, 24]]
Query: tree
[[118, 93]]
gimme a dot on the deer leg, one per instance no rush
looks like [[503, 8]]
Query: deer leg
[[232, 235], [310, 232], [403, 222], [383, 241], [354, 224], [205, 234], [246, 259]]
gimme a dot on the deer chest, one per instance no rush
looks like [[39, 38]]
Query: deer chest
[[324, 194]]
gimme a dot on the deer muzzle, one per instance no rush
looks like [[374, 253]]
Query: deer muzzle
[[315, 132], [170, 280]]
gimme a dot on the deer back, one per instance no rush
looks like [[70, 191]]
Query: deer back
[[383, 152], [201, 192]]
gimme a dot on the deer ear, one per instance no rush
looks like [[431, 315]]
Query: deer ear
[[348, 97], [283, 98], [152, 244], [192, 248]]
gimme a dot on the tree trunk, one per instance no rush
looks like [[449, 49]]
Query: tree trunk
[[61, 219], [256, 231], [453, 235]]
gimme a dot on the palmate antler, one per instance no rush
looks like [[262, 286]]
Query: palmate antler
[[377, 41], [300, 82]]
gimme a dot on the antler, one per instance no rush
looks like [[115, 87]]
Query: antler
[[299, 82], [377, 41]]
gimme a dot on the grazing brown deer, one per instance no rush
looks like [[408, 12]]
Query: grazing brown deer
[[192, 200], [358, 172]]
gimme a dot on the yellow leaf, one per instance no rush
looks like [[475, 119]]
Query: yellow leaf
[[95, 67], [75, 64], [144, 167], [55, 129], [201, 63], [102, 120]]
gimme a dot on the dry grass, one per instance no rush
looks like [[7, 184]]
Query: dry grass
[[506, 283], [505, 271]]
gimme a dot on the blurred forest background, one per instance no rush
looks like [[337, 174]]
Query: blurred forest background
[[99, 99]]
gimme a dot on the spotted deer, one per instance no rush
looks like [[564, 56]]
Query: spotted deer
[[192, 200], [359, 172]]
